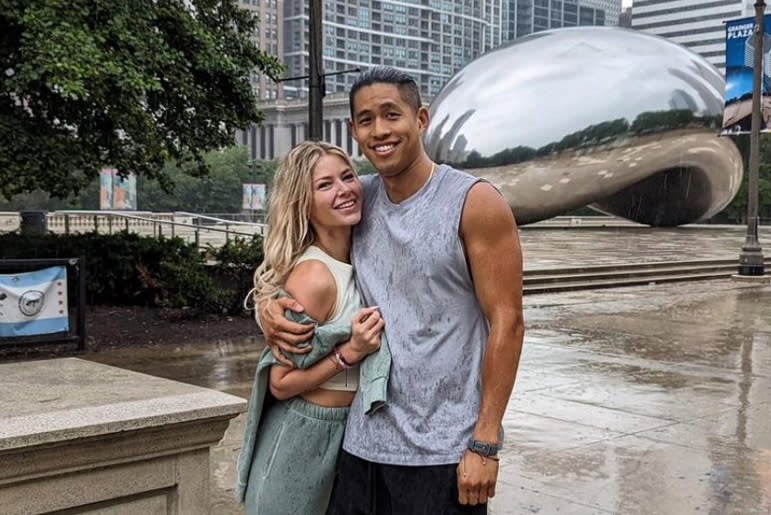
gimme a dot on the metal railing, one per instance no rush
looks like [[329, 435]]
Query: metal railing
[[255, 217], [188, 226]]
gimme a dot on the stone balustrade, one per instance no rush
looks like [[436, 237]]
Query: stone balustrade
[[191, 228], [87, 438]]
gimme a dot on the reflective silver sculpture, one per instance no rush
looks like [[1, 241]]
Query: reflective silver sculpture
[[613, 118]]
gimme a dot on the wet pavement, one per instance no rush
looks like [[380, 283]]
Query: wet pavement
[[566, 247], [638, 400]]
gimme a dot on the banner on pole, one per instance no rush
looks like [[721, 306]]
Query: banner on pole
[[253, 197], [116, 192], [739, 65], [34, 303], [105, 188], [124, 192]]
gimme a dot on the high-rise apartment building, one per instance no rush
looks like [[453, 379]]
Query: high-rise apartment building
[[523, 17], [625, 18], [268, 37], [696, 24], [429, 39], [612, 9]]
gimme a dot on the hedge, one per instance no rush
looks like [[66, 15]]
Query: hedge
[[129, 269]]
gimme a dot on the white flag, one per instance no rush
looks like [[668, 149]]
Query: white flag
[[34, 302]]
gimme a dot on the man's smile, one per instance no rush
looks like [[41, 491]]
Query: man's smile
[[383, 148]]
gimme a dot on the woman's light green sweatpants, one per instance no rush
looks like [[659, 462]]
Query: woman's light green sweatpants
[[294, 460]]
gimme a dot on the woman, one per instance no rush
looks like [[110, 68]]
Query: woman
[[290, 446]]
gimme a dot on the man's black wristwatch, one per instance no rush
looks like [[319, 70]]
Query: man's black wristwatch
[[484, 448]]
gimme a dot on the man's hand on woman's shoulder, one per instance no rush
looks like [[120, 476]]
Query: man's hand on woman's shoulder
[[280, 333]]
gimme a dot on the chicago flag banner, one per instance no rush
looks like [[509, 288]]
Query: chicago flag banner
[[34, 302]]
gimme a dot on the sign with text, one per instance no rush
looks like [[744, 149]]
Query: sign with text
[[33, 303], [739, 65]]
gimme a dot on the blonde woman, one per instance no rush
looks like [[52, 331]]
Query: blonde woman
[[293, 436]]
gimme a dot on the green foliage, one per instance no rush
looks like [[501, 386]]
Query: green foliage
[[88, 198], [126, 84], [737, 209], [126, 268], [662, 120], [506, 156], [236, 262], [594, 134], [241, 252], [219, 192], [364, 167]]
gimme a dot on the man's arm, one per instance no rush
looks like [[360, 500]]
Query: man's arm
[[279, 332], [489, 234], [313, 285]]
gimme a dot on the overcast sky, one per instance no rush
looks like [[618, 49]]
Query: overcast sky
[[625, 3]]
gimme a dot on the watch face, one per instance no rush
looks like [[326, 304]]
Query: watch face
[[483, 448]]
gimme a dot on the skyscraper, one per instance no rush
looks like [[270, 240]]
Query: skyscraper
[[429, 40], [268, 37], [612, 9], [523, 17], [696, 24]]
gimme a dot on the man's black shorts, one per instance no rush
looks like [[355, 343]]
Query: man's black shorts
[[366, 488]]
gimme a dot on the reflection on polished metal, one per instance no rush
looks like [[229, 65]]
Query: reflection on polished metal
[[603, 116]]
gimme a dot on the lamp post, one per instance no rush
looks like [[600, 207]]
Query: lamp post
[[315, 65], [316, 77], [751, 256]]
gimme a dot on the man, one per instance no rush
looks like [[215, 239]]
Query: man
[[437, 250]]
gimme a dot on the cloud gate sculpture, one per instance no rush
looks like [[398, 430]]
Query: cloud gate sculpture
[[613, 118]]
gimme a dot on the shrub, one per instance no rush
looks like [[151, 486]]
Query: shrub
[[233, 270], [125, 268]]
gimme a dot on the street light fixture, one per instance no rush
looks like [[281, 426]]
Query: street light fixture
[[751, 256]]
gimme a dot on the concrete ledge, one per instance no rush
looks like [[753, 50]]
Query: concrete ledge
[[752, 279], [99, 439]]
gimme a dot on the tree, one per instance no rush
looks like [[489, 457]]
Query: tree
[[219, 192], [128, 84], [364, 167], [736, 211]]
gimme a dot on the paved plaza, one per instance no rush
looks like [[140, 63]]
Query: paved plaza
[[638, 400]]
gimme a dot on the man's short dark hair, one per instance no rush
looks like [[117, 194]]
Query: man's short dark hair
[[407, 86]]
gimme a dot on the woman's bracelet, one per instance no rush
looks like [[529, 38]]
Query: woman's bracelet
[[340, 359], [338, 366]]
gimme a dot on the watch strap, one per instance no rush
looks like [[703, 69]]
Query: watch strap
[[484, 448]]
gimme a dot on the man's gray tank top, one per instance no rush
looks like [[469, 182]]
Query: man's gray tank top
[[408, 259]]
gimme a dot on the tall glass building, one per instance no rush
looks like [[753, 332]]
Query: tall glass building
[[697, 24], [267, 37], [429, 39], [523, 17], [612, 9]]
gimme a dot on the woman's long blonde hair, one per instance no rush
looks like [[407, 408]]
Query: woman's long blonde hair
[[289, 206]]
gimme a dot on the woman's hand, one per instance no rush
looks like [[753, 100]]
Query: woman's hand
[[365, 335]]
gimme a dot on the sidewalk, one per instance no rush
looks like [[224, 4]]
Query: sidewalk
[[646, 400], [643, 400]]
